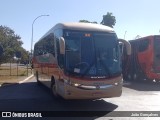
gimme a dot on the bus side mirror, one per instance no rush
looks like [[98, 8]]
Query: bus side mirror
[[127, 45], [1, 50], [62, 45]]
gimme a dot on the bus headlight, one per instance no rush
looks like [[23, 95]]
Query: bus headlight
[[116, 83], [76, 84], [71, 83], [67, 81]]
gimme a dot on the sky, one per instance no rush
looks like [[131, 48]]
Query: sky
[[133, 17]]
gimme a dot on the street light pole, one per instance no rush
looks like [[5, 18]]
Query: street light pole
[[32, 32], [125, 34]]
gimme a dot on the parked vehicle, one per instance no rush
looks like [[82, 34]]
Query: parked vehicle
[[144, 62]]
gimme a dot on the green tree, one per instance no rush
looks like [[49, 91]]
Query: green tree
[[11, 43], [109, 20], [1, 50], [86, 21], [24, 55]]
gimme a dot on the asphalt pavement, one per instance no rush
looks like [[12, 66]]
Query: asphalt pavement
[[136, 98]]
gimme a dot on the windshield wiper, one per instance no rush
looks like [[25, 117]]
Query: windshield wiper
[[87, 69], [105, 68], [103, 64]]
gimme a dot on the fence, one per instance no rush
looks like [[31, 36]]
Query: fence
[[15, 69]]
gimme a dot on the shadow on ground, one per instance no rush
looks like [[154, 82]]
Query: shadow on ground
[[32, 97], [143, 85]]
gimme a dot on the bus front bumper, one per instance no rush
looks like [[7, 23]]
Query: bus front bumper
[[92, 92]]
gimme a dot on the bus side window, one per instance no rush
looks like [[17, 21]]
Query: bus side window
[[50, 45], [38, 50], [143, 45]]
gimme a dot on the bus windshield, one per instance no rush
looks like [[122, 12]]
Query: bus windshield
[[92, 55], [156, 64]]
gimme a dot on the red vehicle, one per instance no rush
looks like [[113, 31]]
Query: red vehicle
[[144, 62]]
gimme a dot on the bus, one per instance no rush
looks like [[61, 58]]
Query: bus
[[80, 61], [144, 62]]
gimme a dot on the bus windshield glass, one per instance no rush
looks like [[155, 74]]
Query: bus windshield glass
[[92, 54], [156, 64]]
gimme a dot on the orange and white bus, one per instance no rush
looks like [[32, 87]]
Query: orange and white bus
[[144, 62], [80, 61]]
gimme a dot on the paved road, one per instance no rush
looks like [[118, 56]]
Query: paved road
[[29, 96]]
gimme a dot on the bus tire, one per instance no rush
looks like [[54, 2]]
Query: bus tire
[[53, 87], [129, 77], [135, 77], [37, 78]]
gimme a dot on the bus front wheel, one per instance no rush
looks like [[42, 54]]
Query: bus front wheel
[[37, 78], [53, 87]]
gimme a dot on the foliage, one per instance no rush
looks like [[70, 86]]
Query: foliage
[[11, 43], [109, 20], [86, 21], [1, 50]]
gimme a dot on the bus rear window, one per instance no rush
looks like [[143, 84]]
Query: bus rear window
[[143, 45]]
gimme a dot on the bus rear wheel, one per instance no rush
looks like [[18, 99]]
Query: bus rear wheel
[[136, 77], [129, 77]]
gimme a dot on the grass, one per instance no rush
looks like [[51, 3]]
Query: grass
[[12, 75]]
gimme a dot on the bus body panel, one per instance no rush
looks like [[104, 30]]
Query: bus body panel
[[76, 93], [104, 88]]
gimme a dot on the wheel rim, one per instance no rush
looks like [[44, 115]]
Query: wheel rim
[[53, 88], [129, 76], [135, 77]]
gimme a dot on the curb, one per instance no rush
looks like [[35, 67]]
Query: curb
[[20, 82], [26, 79]]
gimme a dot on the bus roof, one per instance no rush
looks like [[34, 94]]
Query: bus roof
[[80, 26], [83, 26], [142, 38]]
